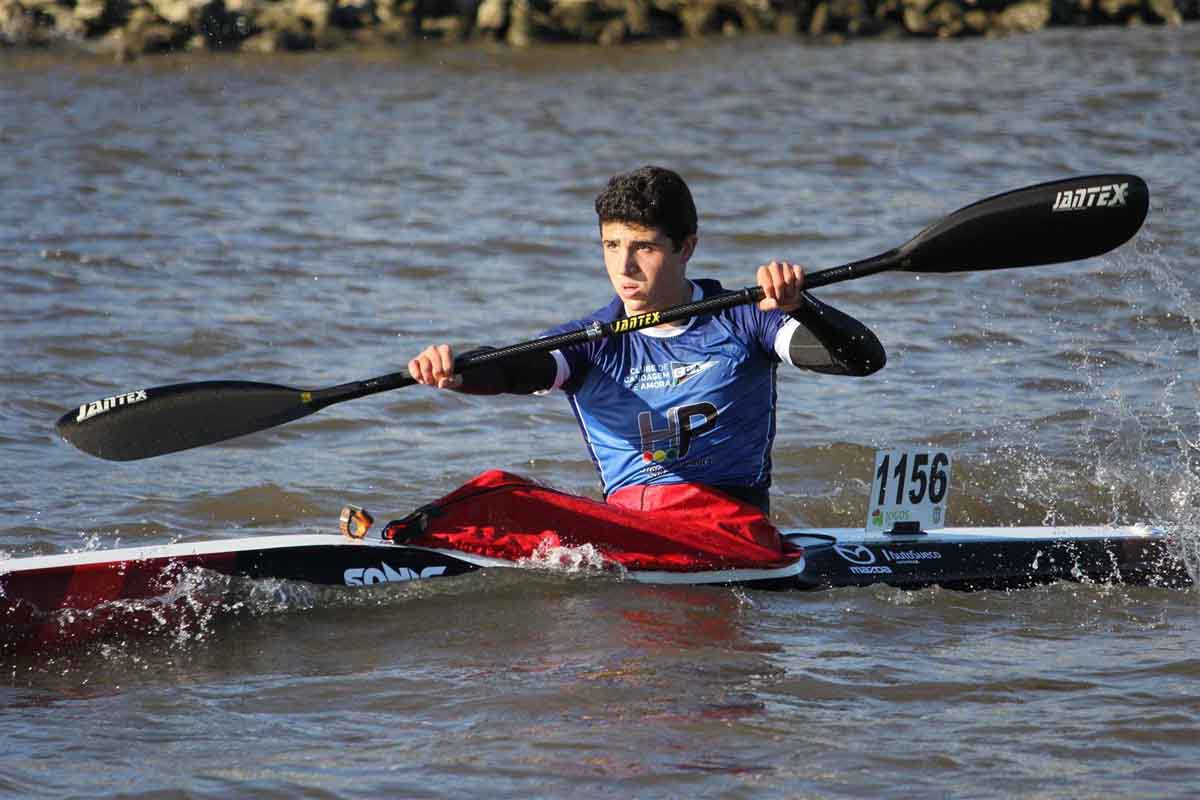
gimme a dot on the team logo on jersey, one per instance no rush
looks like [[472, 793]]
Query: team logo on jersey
[[682, 373], [684, 423], [665, 376]]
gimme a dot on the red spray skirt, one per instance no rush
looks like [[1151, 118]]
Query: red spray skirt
[[674, 528]]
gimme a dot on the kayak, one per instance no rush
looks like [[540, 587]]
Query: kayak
[[956, 558], [42, 597], [903, 543]]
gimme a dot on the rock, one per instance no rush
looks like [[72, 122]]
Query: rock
[[1118, 10], [1069, 12], [614, 32], [530, 21], [261, 43], [755, 16], [945, 20], [636, 18], [1024, 17], [451, 28], [68, 26], [90, 12], [37, 22], [220, 27], [352, 14], [130, 28], [698, 18], [16, 24], [914, 17], [388, 10], [289, 25], [492, 16], [1164, 11], [144, 32], [888, 10], [976, 21], [574, 18], [820, 20], [520, 24], [315, 12], [176, 12], [854, 17]]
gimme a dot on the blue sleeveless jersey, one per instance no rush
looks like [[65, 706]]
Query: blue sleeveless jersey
[[696, 407]]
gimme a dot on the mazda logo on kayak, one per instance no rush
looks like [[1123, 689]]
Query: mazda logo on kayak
[[855, 553]]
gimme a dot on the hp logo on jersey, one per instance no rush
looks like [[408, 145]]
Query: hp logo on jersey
[[684, 423]]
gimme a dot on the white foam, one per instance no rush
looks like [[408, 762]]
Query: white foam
[[581, 559]]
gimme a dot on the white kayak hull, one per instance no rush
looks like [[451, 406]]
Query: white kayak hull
[[75, 597]]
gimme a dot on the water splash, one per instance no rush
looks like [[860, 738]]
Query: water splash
[[90, 542], [1177, 492], [1141, 441], [1124, 445], [582, 559]]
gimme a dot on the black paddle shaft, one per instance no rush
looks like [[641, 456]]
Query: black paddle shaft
[[1048, 223], [1036, 225]]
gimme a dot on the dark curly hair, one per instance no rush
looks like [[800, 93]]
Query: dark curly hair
[[650, 197]]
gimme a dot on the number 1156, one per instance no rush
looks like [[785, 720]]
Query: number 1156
[[927, 477]]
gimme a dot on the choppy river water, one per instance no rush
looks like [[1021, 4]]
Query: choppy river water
[[316, 219]]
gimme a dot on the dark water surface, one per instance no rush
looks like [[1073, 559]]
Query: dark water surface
[[312, 220]]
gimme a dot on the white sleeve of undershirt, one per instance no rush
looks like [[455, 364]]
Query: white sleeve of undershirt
[[796, 345]]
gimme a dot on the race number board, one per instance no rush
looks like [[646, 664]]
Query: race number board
[[910, 486]]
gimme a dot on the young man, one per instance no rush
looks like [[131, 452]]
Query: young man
[[668, 409]]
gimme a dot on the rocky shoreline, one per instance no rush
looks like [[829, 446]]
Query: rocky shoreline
[[131, 28]]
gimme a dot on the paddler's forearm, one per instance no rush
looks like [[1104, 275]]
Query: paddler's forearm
[[524, 374], [851, 347]]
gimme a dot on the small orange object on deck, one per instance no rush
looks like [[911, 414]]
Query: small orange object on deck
[[355, 522]]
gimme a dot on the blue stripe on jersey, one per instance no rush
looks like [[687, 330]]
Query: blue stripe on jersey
[[698, 407]]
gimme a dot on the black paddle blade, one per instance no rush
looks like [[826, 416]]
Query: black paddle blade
[[1048, 223], [150, 422]]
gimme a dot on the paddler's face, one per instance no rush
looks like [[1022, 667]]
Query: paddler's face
[[646, 270]]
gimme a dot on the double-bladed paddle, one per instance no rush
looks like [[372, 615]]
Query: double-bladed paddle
[[1048, 223]]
